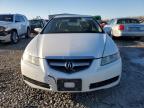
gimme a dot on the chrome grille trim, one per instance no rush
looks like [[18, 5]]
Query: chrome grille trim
[[81, 64], [74, 64], [69, 57], [77, 64], [56, 64]]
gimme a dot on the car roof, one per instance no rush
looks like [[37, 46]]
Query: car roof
[[66, 16], [36, 19], [12, 14]]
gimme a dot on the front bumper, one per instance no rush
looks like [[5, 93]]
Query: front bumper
[[131, 34], [5, 36], [94, 78]]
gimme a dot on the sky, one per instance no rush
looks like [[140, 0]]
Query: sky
[[43, 8]]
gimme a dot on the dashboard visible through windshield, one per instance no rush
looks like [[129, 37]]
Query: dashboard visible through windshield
[[72, 25]]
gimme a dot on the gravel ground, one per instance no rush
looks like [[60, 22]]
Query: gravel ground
[[14, 93]]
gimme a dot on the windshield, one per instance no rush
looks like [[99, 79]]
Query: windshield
[[72, 25], [35, 22], [128, 21], [8, 18]]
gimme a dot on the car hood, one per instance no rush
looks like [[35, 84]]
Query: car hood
[[74, 44], [4, 23]]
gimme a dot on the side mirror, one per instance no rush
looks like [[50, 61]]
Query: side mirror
[[38, 30], [102, 25]]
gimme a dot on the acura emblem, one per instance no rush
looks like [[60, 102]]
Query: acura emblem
[[69, 66]]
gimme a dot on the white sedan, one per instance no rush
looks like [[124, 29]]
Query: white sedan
[[124, 27], [71, 54]]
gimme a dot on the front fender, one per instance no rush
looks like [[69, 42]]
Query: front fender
[[32, 48]]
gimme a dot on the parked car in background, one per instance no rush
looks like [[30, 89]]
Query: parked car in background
[[12, 27], [124, 27], [46, 20], [71, 54], [36, 23]]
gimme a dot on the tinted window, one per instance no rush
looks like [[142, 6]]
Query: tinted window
[[128, 21], [72, 25], [36, 23], [25, 18], [8, 18], [17, 18], [111, 22], [22, 19]]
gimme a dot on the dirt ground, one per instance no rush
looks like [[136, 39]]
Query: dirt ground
[[128, 94]]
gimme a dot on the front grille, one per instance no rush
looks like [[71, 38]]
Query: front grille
[[69, 65], [3, 33]]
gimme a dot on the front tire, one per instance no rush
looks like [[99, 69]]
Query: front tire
[[142, 39], [28, 33], [14, 37]]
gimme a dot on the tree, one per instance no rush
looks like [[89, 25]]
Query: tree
[[98, 17]]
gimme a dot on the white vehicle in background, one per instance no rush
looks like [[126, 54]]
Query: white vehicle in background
[[71, 54], [12, 27], [124, 27]]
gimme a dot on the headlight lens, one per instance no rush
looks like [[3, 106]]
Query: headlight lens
[[31, 59], [110, 59], [2, 28]]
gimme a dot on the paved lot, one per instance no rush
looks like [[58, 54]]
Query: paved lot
[[129, 94]]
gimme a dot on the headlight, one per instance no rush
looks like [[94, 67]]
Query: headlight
[[110, 59], [2, 28], [31, 59]]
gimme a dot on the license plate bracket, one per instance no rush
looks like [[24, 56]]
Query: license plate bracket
[[62, 82]]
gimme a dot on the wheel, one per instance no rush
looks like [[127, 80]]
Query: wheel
[[28, 33], [14, 37], [142, 39]]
